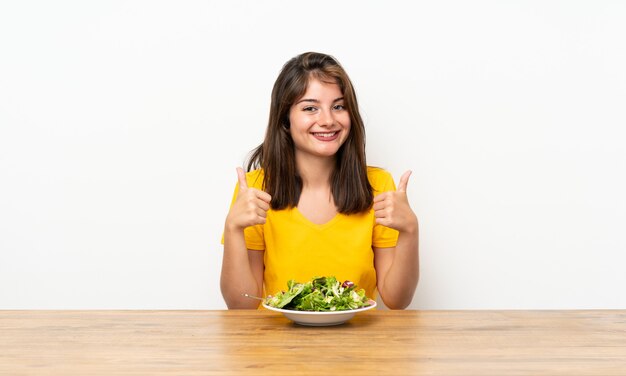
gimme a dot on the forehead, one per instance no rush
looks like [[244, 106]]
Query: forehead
[[318, 89]]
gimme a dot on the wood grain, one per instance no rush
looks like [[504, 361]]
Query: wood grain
[[265, 343]]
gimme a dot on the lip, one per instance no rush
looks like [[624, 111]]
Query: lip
[[318, 136]]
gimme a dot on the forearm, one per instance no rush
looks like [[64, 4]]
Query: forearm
[[237, 276], [398, 287]]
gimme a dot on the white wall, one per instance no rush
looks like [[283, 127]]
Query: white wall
[[121, 124]]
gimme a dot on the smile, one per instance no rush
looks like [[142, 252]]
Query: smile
[[325, 136]]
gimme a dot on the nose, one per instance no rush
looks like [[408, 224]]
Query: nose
[[326, 118]]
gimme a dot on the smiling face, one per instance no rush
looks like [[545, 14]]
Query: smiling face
[[319, 122]]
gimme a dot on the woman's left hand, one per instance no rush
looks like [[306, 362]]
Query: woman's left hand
[[392, 209]]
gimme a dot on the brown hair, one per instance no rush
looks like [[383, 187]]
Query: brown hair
[[350, 187]]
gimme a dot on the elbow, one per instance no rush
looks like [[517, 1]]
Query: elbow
[[239, 302], [398, 305], [234, 299], [241, 305], [399, 299], [396, 302]]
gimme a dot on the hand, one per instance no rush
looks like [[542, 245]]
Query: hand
[[251, 205], [392, 209]]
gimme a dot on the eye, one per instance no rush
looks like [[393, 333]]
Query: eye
[[339, 107], [309, 109]]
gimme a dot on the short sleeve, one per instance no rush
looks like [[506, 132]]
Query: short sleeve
[[382, 181]]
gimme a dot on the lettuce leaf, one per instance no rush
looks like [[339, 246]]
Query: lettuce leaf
[[319, 294]]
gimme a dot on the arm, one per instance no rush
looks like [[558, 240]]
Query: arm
[[242, 269], [397, 269], [242, 272]]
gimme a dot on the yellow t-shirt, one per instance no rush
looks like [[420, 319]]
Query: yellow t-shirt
[[296, 248]]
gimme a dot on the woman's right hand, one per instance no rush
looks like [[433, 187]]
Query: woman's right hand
[[250, 207]]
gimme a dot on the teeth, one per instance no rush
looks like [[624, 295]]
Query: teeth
[[326, 134]]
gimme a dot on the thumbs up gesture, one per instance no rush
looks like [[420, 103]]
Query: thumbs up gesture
[[250, 207], [392, 209]]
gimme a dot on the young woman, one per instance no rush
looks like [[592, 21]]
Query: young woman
[[310, 206]]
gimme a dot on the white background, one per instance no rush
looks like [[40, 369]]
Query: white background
[[121, 124]]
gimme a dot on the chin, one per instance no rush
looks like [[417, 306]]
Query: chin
[[328, 153]]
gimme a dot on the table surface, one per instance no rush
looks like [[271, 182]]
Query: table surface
[[265, 343]]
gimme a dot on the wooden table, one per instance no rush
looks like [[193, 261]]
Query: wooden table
[[265, 343]]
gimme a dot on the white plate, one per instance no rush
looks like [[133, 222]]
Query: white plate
[[325, 318]]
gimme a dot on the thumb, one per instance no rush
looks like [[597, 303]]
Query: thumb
[[404, 180], [243, 184]]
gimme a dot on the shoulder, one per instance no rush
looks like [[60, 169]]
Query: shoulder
[[255, 178], [380, 179]]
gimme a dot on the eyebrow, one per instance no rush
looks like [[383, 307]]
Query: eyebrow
[[317, 101]]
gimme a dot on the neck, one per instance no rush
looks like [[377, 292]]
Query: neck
[[315, 172]]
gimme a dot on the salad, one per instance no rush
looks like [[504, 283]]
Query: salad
[[319, 294]]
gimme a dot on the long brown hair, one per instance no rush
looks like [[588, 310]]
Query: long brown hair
[[350, 187]]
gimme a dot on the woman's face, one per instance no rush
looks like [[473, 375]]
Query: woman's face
[[319, 122]]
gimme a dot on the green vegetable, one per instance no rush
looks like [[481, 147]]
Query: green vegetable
[[319, 294]]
